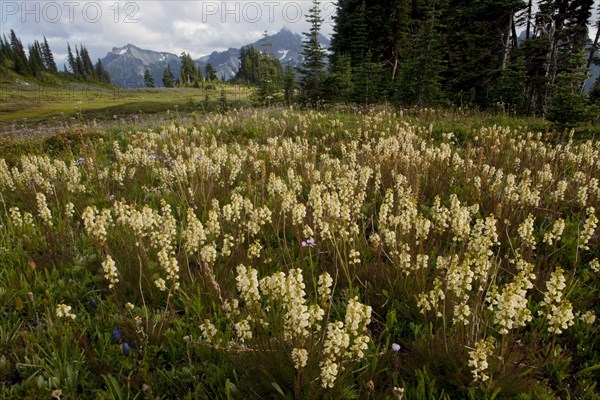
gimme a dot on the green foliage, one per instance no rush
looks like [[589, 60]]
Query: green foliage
[[312, 71], [148, 79], [211, 73], [188, 73], [168, 77], [342, 192], [568, 106]]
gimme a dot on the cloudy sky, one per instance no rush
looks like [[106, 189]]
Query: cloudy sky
[[198, 27]]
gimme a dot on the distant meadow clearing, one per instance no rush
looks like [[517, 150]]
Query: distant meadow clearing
[[280, 254]]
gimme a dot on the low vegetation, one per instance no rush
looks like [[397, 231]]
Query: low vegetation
[[302, 255]]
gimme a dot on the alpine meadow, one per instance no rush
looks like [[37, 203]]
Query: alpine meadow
[[406, 211]]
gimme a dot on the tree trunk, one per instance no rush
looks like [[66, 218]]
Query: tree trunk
[[507, 35]]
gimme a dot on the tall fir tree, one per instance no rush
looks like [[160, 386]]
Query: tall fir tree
[[86, 64], [312, 70], [78, 64], [148, 79], [168, 78], [568, 106], [289, 85], [36, 62], [48, 57], [71, 60], [188, 75], [21, 64], [211, 73], [102, 74]]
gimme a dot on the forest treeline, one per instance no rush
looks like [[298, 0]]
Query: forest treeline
[[523, 57], [39, 62]]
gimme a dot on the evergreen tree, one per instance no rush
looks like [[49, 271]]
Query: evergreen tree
[[71, 60], [21, 64], [148, 79], [48, 57], [36, 62], [249, 66], [168, 78], [78, 64], [211, 73], [568, 106], [312, 70], [419, 81], [267, 76], [289, 85], [188, 72], [339, 84], [7, 53], [102, 74], [86, 64]]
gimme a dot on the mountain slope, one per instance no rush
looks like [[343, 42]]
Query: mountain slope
[[285, 46], [126, 64]]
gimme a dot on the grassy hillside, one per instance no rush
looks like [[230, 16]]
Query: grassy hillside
[[28, 101], [301, 255]]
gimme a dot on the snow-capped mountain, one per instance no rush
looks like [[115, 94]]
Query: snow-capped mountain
[[126, 64], [285, 46]]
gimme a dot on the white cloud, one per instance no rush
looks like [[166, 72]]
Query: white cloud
[[198, 27]]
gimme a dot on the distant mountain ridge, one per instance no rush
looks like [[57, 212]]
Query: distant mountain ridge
[[126, 64]]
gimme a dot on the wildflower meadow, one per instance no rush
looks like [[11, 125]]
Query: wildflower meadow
[[281, 254]]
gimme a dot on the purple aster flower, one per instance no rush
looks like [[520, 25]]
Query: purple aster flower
[[309, 243], [117, 334], [126, 348], [395, 347]]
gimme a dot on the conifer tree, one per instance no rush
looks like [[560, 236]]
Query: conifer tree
[[339, 84], [168, 78], [48, 57], [568, 106], [102, 74], [289, 85], [21, 64], [188, 73], [86, 64], [36, 62], [78, 64], [6, 50], [211, 73], [71, 60], [148, 79], [312, 70]]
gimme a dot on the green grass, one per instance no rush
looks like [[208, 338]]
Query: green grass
[[213, 191], [35, 103]]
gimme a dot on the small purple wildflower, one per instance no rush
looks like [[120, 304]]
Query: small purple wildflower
[[135, 344], [126, 348], [111, 197], [80, 161], [117, 334], [395, 347], [309, 243], [94, 303], [145, 387]]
